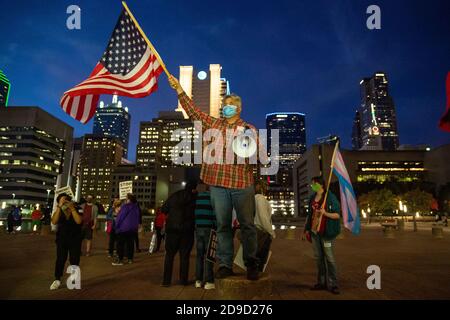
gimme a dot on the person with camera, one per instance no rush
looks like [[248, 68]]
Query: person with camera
[[68, 236]]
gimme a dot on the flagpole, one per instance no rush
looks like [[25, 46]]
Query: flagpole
[[331, 173], [158, 57]]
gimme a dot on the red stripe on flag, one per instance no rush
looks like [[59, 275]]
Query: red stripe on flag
[[94, 103], [81, 106]]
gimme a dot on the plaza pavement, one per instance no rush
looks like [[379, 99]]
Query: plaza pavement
[[413, 266]]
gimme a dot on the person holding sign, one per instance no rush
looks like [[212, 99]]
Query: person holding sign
[[68, 236], [263, 223], [205, 222], [321, 228]]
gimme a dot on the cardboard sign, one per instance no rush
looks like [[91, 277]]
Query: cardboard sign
[[125, 187], [212, 246], [67, 190]]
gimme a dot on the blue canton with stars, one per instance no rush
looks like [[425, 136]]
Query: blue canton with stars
[[125, 48]]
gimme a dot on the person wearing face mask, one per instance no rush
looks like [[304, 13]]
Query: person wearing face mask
[[231, 185], [322, 233]]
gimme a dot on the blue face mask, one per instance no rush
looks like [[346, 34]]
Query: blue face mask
[[229, 111]]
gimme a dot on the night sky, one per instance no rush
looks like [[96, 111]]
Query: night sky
[[305, 56]]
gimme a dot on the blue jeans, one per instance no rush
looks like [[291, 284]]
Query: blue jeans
[[326, 264], [203, 268], [223, 201]]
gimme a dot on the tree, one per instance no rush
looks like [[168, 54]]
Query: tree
[[417, 201], [380, 201]]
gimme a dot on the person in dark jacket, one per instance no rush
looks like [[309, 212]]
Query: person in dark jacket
[[323, 238], [127, 224], [180, 226], [10, 220]]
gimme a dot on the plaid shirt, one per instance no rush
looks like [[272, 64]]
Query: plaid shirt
[[233, 176]]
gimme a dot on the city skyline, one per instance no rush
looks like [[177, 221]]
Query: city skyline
[[297, 55]]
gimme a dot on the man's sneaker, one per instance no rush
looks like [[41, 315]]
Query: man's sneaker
[[55, 285], [117, 263], [224, 272], [252, 273], [210, 286], [335, 290], [198, 284]]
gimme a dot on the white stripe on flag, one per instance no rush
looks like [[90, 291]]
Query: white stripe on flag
[[87, 108], [75, 105], [66, 102]]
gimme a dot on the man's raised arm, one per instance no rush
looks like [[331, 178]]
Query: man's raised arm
[[188, 105]]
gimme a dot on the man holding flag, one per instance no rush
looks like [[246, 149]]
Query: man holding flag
[[323, 222]]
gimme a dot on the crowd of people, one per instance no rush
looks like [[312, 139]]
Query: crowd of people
[[225, 199], [191, 216]]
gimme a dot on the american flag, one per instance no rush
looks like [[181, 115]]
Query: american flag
[[128, 68], [349, 206]]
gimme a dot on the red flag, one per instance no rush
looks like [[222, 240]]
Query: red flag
[[444, 124]]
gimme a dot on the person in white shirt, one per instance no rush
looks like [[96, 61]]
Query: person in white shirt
[[263, 210], [263, 223]]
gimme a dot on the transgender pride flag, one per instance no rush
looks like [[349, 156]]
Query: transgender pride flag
[[349, 207]]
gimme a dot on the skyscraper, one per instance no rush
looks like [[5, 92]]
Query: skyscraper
[[156, 143], [113, 120], [205, 88], [291, 145], [35, 149], [292, 140], [375, 127], [5, 86], [100, 155]]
